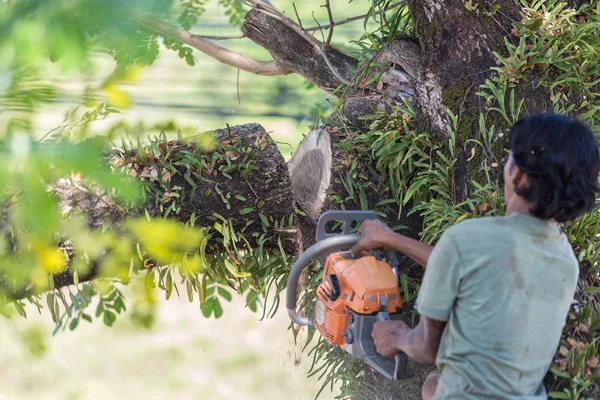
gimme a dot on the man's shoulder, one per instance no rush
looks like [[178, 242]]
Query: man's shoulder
[[485, 226]]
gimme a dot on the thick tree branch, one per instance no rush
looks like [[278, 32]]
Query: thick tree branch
[[317, 46], [243, 181], [268, 68], [298, 51]]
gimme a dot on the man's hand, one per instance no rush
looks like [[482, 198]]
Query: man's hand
[[387, 335], [374, 235]]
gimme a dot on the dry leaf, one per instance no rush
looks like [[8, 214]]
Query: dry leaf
[[472, 154], [166, 176], [563, 351], [207, 169], [484, 207], [584, 328], [495, 165], [593, 363], [231, 155], [380, 85], [560, 365]]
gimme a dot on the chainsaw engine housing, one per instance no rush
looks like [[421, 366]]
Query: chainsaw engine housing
[[363, 285]]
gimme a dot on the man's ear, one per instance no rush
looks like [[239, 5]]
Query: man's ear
[[519, 179]]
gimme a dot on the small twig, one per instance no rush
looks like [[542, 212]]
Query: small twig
[[297, 16], [251, 188], [319, 26], [340, 116], [270, 68], [238, 87], [331, 23], [352, 19], [209, 37]]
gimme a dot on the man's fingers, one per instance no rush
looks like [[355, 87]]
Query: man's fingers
[[356, 249]]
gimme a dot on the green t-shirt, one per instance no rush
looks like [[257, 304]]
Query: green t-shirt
[[504, 285]]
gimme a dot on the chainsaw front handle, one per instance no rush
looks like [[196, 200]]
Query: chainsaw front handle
[[333, 242]]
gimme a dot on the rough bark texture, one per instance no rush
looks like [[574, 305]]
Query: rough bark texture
[[293, 51], [457, 53], [457, 48], [268, 181]]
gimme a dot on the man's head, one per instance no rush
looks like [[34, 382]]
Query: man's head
[[553, 166]]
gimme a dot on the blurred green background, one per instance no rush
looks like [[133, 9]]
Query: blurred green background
[[184, 355]]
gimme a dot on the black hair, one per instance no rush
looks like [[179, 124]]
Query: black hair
[[561, 159]]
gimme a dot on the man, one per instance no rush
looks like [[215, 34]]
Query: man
[[496, 291]]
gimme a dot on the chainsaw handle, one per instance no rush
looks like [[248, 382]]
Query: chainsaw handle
[[333, 242], [400, 359]]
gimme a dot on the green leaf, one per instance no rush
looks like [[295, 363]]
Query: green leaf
[[207, 307], [592, 289], [537, 24], [246, 210], [169, 287], [99, 309], [412, 189], [559, 395], [50, 303], [119, 305], [224, 293], [109, 318], [218, 310], [562, 374], [264, 219], [73, 324], [299, 212], [86, 317], [190, 290], [233, 270]]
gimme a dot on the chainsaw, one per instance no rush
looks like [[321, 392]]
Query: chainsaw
[[355, 292]]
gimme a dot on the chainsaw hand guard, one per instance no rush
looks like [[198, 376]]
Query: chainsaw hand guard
[[333, 242]]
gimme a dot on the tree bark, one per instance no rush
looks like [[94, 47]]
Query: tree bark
[[325, 66]]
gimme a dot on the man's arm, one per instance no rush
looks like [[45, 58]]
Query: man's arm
[[420, 344], [375, 235]]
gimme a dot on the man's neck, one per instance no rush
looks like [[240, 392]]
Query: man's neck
[[517, 205]]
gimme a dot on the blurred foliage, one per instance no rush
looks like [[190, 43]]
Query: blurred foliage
[[45, 244]]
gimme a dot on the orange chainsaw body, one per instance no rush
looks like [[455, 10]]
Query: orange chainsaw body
[[364, 285]]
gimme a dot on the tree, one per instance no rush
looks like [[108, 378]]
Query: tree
[[415, 133]]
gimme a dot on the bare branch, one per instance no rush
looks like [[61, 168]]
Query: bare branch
[[331, 23], [208, 37], [268, 68], [352, 19], [297, 16]]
